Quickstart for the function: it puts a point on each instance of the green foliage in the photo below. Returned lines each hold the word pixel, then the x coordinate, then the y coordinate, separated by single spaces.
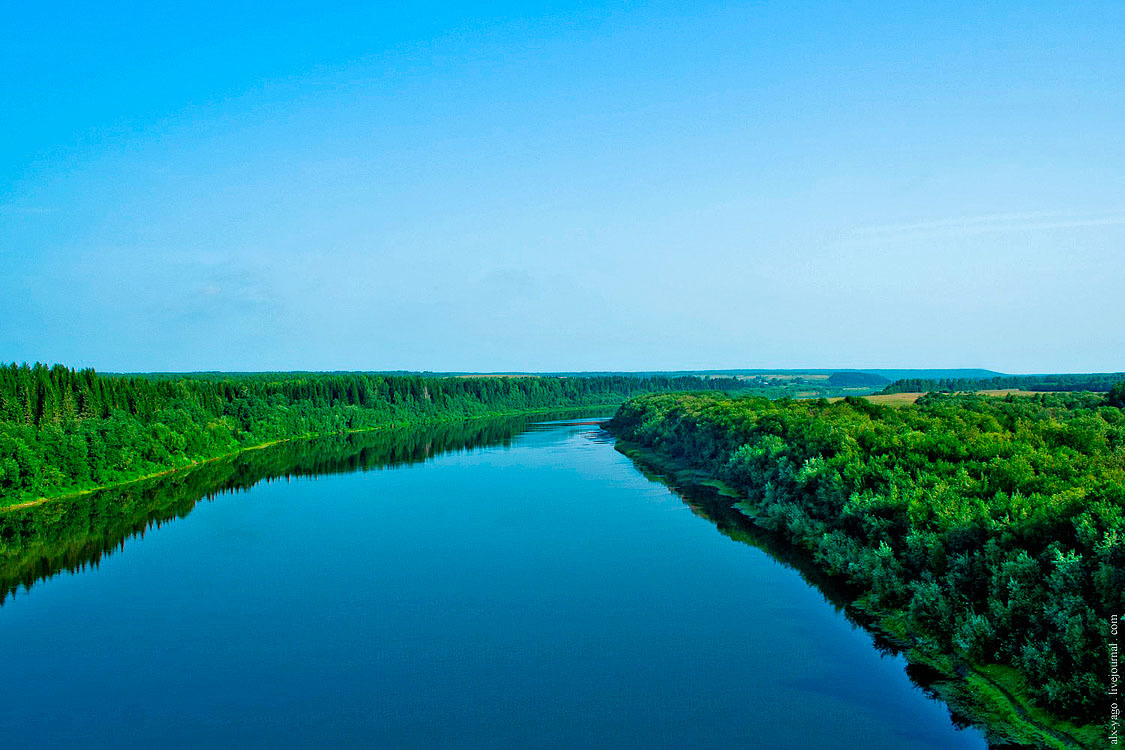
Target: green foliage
pixel 1116 395
pixel 856 379
pixel 63 430
pixel 995 526
pixel 73 533
pixel 1049 383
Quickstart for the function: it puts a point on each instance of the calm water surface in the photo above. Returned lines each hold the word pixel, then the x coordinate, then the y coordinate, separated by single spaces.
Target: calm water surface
pixel 533 591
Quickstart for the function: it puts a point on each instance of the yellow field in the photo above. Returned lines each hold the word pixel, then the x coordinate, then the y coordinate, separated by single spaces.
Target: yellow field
pixel 902 399
pixel 894 399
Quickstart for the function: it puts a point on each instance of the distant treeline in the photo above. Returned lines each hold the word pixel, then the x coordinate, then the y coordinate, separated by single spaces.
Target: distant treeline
pixel 64 430
pixel 1049 383
pixel 987 531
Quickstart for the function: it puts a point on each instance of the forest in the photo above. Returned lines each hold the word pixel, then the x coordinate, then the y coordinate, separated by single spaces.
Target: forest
pixel 1048 383
pixel 81 531
pixel 64 430
pixel 985 531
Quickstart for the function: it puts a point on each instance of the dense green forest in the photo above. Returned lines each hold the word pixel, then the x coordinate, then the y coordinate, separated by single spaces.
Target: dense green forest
pixel 1048 383
pixel 1116 395
pixel 80 531
pixel 987 531
pixel 65 430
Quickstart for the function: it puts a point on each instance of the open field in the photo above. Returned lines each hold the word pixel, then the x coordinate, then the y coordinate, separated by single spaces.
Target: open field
pixel 902 399
pixel 894 399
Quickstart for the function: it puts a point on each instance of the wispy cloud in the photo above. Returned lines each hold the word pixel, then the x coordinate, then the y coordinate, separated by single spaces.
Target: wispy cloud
pixel 986 224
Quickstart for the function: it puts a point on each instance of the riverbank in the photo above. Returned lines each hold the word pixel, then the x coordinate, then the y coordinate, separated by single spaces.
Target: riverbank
pixel 988 696
pixel 66 431
pixel 426 421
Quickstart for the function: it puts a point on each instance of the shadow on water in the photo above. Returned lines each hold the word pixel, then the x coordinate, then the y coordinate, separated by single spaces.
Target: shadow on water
pixel 71 534
pixel 711 504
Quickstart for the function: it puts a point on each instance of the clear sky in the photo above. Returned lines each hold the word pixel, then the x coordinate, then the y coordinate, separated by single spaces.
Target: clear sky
pixel 553 186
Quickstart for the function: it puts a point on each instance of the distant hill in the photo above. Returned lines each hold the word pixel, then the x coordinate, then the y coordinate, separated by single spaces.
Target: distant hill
pixel 939 374
pixel 857 380
pixel 888 375
pixel 871 377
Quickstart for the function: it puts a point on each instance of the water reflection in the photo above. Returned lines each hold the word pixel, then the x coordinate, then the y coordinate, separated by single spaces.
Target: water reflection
pixel 75 533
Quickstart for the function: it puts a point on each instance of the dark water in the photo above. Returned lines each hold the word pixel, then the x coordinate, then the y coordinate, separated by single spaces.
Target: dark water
pixel 531 590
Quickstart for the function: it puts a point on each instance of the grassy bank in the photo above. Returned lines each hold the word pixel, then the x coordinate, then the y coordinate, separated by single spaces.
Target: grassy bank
pixel 190 465
pixel 72 533
pixel 64 431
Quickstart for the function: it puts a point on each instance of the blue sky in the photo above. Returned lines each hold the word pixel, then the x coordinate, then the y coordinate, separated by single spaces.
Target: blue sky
pixel 559 186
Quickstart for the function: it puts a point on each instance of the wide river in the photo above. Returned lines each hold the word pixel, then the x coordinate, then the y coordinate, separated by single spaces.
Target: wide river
pixel 499 585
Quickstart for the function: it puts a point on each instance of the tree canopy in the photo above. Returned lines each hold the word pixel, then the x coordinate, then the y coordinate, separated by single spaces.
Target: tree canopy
pixel 64 430
pixel 991 528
